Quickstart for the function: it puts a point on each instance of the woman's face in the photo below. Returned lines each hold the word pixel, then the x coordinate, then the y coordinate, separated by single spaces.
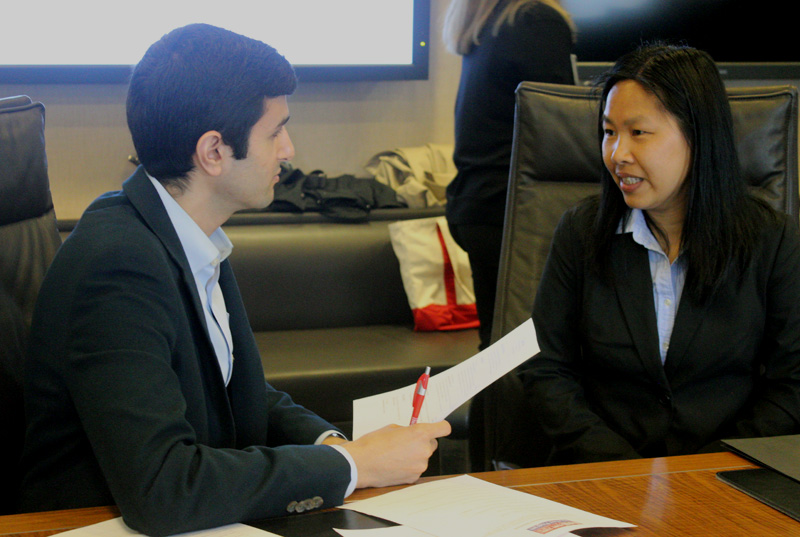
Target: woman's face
pixel 645 152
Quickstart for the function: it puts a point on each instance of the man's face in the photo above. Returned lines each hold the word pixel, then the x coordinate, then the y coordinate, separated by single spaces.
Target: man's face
pixel 251 181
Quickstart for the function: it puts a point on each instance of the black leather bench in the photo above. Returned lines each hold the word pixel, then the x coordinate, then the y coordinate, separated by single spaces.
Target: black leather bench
pixel 328 308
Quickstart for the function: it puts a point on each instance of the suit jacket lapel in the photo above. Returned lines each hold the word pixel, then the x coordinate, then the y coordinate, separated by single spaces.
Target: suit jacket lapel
pixel 634 288
pixel 146 201
pixel 687 323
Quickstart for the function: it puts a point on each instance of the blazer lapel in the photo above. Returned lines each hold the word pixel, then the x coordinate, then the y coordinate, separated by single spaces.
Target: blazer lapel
pixel 634 288
pixel 687 323
pixel 148 204
pixel 146 201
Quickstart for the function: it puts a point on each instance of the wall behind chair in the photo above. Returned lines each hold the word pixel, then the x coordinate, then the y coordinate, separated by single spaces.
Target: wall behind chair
pixel 335 126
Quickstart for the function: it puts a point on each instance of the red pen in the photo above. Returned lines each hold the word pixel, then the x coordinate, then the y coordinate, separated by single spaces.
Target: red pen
pixel 419 394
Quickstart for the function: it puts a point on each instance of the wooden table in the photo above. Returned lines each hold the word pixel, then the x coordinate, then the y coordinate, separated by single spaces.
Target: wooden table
pixel 664 497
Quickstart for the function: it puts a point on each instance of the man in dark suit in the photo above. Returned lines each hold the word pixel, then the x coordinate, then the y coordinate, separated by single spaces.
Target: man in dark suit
pixel 144 386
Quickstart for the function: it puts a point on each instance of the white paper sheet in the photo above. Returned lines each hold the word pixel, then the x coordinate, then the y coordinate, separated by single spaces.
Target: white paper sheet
pixel 392 531
pixel 451 388
pixel 470 507
pixel 117 528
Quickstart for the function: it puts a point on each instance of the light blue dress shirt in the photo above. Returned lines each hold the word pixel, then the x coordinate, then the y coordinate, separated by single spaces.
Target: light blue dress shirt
pixel 205 254
pixel 668 278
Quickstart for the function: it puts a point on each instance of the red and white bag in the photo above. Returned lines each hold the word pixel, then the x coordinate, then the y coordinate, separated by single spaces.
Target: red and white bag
pixel 436 274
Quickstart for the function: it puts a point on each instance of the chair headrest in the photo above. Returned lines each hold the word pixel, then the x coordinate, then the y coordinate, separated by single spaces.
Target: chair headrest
pixel 24 184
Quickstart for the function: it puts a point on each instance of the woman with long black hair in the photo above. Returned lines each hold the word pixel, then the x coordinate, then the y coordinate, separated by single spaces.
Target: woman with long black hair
pixel 668 314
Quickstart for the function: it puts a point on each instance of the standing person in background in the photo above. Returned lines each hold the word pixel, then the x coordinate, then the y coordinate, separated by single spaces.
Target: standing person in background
pixel 503 42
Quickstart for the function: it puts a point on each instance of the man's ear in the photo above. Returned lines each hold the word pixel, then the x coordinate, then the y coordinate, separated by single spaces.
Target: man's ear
pixel 210 153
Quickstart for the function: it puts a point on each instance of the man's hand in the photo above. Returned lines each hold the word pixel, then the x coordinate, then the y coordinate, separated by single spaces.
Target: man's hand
pixel 395 455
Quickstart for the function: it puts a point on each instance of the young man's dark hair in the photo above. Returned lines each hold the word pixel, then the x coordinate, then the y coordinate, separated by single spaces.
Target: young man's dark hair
pixel 196 79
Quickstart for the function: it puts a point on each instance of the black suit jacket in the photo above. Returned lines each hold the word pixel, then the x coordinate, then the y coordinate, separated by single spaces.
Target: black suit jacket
pixel 732 369
pixel 124 397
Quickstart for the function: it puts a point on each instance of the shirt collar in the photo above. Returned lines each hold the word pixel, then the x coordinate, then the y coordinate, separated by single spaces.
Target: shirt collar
pixel 201 250
pixel 637 225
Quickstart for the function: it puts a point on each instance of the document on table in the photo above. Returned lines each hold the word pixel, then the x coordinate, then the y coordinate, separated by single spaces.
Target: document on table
pixel 392 531
pixel 117 528
pixel 451 388
pixel 470 507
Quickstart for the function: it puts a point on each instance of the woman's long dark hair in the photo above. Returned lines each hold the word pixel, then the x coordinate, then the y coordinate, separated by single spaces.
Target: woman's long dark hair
pixel 721 225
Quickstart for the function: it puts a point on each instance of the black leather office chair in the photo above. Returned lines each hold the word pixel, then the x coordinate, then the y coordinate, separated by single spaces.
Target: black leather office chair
pixel 555 163
pixel 28 240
